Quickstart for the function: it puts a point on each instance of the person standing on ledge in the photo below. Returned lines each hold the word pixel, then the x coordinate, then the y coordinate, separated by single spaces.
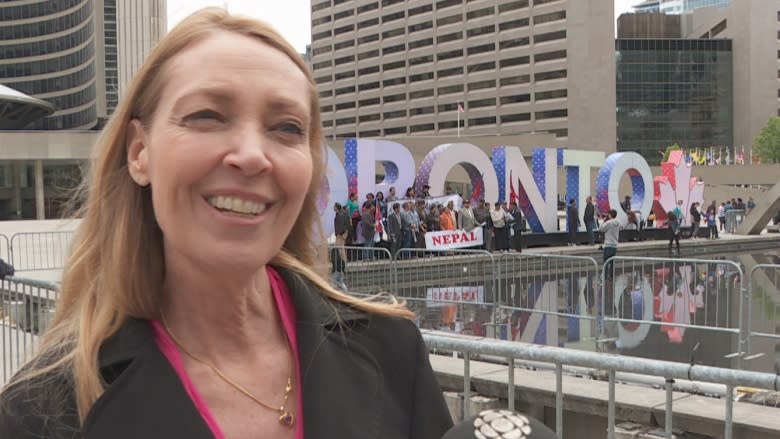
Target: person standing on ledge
pixel 589 217
pixel 195 303
pixel 572 222
pixel 611 230
pixel 673 223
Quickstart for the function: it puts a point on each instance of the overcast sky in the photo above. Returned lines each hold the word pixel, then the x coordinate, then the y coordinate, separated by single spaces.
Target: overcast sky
pixel 290 17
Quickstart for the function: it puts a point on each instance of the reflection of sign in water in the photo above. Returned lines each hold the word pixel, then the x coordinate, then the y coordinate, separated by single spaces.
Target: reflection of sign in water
pixel 450 239
pixel 678 305
pixel 464 294
pixel 640 293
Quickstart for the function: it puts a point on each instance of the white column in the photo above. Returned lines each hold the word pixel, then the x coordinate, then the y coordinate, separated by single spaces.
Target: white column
pixel 40 205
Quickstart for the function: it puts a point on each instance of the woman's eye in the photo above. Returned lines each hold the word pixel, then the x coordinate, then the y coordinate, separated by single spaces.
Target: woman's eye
pixel 205 114
pixel 291 128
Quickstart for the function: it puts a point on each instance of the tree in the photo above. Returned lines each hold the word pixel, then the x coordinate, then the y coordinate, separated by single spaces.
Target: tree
pixel 767 143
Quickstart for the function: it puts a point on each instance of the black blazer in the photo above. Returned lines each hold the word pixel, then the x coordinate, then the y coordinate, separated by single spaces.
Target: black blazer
pixel 364 376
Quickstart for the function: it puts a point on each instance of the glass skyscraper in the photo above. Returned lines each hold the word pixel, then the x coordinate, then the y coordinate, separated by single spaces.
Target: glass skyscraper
pixel 673 91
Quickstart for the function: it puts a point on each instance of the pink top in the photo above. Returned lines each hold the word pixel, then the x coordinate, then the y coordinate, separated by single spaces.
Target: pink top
pixel 286 312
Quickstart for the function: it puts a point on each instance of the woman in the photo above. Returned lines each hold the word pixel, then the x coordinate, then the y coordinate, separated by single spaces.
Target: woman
pixel 380 203
pixel 189 307
pixel 673 223
pixel 500 233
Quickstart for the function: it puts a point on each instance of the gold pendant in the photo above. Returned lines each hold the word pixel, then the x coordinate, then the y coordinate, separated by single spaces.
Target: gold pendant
pixel 287 419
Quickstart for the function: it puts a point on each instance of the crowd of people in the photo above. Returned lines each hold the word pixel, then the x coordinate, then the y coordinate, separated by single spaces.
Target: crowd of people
pixel 401 223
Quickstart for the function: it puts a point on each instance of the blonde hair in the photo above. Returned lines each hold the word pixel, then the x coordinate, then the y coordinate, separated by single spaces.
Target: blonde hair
pixel 118 229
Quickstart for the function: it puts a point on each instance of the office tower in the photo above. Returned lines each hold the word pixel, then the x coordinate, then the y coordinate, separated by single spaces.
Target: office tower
pixel 398 68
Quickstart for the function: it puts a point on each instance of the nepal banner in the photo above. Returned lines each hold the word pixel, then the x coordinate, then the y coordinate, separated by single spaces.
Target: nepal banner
pixel 465 294
pixel 494 177
pixel 449 239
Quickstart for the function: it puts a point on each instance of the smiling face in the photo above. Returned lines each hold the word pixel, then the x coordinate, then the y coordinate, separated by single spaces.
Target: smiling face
pixel 226 152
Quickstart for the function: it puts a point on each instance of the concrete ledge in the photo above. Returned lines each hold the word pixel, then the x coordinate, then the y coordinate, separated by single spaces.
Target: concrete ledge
pixel 699 415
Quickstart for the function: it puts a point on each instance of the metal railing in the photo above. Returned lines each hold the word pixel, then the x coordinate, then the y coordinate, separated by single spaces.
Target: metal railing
pixel 512 351
pixel 763 308
pixel 26 309
pixel 675 295
pixel 37 251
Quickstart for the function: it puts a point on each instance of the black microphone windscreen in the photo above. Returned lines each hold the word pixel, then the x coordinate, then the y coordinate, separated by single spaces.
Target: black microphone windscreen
pixel 500 424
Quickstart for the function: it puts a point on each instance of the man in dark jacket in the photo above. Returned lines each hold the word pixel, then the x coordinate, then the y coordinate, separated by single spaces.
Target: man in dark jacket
pixel 590 220
pixel 341 228
pixel 572 221
pixel 394 223
pixel 368 223
pixel 517 227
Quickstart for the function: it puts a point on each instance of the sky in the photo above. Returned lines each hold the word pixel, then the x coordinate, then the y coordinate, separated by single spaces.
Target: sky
pixel 290 17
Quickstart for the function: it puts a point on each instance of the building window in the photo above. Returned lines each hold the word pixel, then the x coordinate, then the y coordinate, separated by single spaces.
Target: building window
pixel 551 94
pixel 549 56
pixel 514 24
pixel 511 6
pixel 322 79
pixel 394 114
pixel 344 75
pixel 450 89
pixel 394 16
pixel 421 60
pixel 552 16
pixel 448 125
pixel 345 120
pixel 396 130
pixel 421 110
pixel 420 10
pixel 368 70
pixel 412 28
pixel 480 103
pixel 321 20
pixel 550 36
pixel 344 29
pixel 368 23
pixel 321 50
pixel 421 77
pixel 394 81
pixel 421 43
pixel 421 94
pixel 481 67
pixel 344 44
pixel 368 7
pixel 551 114
pixel 321 35
pixel 484 12
pixel 326 108
pixel 322 64
pixel 546 76
pixel 394 49
pixel 370 133
pixel 479 85
pixel 369 117
pixel 489 29
pixel 541 2
pixel 481 49
pixel 477 121
pixel 515 42
pixel 395 98
pixel 459 71
pixel 368 38
pixel 320 6
pixel 442 4
pixel 345 105
pixel 344 14
pixel 514 80
pixel 345 59
pixel 459 35
pixel 449 20
pixel 386 3
pixel 519 61
pixel 345 90
pixel 393 65
pixel 368 86
pixel 368 54
pixel 326 93
pixel 422 127
pixel 368 102
pixel 720 27
pixel 521 117
pixel 393 32
pixel 514 99
pixel 449 55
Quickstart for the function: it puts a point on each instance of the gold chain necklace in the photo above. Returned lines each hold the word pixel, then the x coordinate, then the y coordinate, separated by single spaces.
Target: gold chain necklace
pixel 286 417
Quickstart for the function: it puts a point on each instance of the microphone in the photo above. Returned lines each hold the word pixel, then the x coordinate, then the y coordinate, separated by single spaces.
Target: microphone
pixel 500 424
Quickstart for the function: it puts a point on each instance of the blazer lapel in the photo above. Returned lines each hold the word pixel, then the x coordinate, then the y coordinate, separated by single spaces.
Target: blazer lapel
pixel 144 397
pixel 340 377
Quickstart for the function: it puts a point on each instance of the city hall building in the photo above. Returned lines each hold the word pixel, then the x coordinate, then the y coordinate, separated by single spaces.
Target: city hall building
pixel 394 68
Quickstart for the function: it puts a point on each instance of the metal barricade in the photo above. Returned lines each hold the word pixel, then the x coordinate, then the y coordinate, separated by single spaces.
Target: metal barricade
pixel 26 310
pixel 655 302
pixel 670 371
pixel 548 299
pixel 365 271
pixel 37 251
pixel 764 312
pixel 451 290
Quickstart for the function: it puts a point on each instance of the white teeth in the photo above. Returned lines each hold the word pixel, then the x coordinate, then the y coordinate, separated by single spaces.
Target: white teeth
pixel 237 205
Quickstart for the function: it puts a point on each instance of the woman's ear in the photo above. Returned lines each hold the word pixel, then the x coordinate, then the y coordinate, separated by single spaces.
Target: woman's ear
pixel 137 155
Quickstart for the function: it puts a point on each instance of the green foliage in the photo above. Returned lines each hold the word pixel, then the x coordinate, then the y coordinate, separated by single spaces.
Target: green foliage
pixel 767 143
pixel 669 149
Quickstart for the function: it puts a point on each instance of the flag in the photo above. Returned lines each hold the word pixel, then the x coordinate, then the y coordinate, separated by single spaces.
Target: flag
pixel 477 190
pixel 512 193
pixel 460 108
